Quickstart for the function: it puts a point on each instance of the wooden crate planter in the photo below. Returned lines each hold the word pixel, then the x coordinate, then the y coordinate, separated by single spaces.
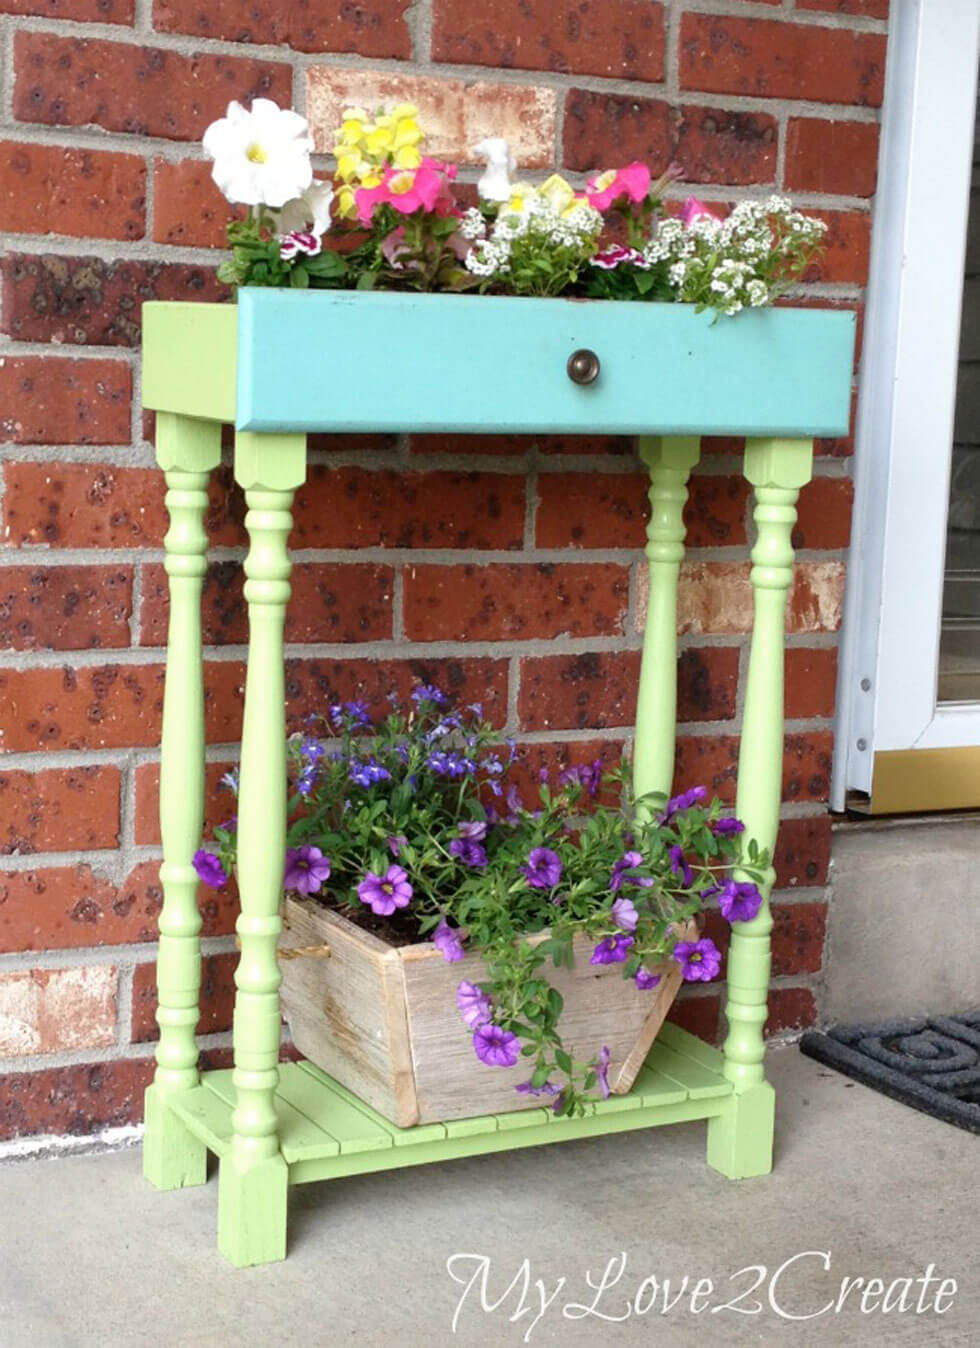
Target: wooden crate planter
pixel 382 1020
pixel 282 364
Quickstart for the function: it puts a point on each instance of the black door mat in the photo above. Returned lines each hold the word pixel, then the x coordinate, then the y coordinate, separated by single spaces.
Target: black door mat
pixel 929 1062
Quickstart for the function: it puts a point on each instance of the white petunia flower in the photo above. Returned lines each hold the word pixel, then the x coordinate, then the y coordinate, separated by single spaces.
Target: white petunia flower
pixel 495 183
pixel 309 212
pixel 261 156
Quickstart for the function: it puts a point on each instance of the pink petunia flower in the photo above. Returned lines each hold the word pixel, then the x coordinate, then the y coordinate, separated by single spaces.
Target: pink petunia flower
pixel 693 208
pixel 631 182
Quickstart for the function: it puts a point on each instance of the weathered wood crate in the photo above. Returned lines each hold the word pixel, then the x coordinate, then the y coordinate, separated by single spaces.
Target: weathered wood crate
pixel 382 1020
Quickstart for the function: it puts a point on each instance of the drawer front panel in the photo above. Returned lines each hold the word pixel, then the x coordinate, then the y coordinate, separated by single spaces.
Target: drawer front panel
pixel 346 361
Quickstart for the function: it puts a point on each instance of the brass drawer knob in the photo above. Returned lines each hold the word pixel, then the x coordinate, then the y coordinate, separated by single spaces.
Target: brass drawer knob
pixel 583 366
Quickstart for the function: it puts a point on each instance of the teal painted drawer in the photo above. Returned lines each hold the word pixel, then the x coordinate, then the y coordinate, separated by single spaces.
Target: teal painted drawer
pixel 347 361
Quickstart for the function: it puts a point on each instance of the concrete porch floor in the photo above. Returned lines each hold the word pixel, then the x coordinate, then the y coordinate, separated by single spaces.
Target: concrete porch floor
pixel 90 1255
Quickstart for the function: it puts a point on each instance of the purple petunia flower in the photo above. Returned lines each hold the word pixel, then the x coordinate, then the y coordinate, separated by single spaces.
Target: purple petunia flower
pixel 602 1071
pixel 588 775
pixel 645 980
pixel 624 914
pixel 469 853
pixel 495 1046
pixel 684 801
pixel 474 1004
pixel 612 949
pixel 549 1088
pixel 620 872
pixel 679 866
pixel 448 941
pixel 428 692
pixel 306 869
pixel 383 894
pixel 475 829
pixel 700 961
pixel 396 841
pixel 543 869
pixel 209 869
pixel 739 902
pixel 727 827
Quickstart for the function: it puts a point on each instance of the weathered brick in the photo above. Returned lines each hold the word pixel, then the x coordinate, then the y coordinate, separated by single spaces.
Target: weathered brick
pixel 698 1013
pixel 49 400
pixel 798 935
pixel 513 602
pixel 712 761
pixel 872 9
pixel 87 300
pixel 603 129
pixel 521 444
pixel 59 810
pixel 375 28
pixel 716 597
pixel 64 607
pixel 75 1100
pixel 803 851
pixel 620 39
pixel 823 155
pixel 357 508
pixel 98 505
pixel 98 11
pixel 846 249
pixel 217 999
pixel 219 802
pixel 85 193
pixel 610 510
pixel 790 1009
pixel 188 209
pixel 455 115
pixel 824 513
pixel 598 689
pixel 811 681
pixel 331 602
pixel 724 54
pixel 312 685
pixel 149 91
pixel 807 760
pixel 106 707
pixel 57 1010
pixel 716 145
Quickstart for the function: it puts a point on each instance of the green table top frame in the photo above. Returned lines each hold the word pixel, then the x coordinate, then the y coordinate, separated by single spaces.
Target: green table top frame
pixel 279 364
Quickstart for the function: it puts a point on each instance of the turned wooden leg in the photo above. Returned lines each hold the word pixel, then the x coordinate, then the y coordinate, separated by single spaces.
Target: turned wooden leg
pixel 740 1141
pixel 670 460
pixel 187 450
pixel 253 1176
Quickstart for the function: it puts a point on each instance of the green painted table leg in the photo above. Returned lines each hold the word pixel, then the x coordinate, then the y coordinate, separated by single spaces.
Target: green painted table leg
pixel 740 1140
pixel 254 1176
pixel 187 450
pixel 670 460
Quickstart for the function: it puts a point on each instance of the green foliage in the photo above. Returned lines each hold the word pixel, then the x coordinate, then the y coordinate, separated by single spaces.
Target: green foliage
pixel 408 790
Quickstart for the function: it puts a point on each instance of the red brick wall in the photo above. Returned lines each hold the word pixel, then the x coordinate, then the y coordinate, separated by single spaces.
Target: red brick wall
pixel 505 567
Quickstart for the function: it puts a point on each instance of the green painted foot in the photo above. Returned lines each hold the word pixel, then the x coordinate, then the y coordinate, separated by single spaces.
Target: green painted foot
pixel 252 1211
pixel 173 1158
pixel 740 1140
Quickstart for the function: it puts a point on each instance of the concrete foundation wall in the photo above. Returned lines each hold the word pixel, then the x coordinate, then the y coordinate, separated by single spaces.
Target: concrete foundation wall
pixel 904 919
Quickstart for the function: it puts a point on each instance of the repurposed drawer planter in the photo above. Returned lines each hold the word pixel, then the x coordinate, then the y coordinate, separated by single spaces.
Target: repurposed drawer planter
pixel 287 361
pixel 382 1020
pixel 279 365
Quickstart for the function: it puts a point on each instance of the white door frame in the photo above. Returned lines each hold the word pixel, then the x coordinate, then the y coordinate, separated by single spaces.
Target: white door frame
pixel 892 614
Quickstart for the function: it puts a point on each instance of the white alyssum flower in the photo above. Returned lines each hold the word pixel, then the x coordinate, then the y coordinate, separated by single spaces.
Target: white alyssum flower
pixel 473 225
pixel 309 212
pixel 262 155
pixel 495 184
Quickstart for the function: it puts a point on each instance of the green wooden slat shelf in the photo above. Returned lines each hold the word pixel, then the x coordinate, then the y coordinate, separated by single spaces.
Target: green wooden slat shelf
pixel 279 365
pixel 322 1125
